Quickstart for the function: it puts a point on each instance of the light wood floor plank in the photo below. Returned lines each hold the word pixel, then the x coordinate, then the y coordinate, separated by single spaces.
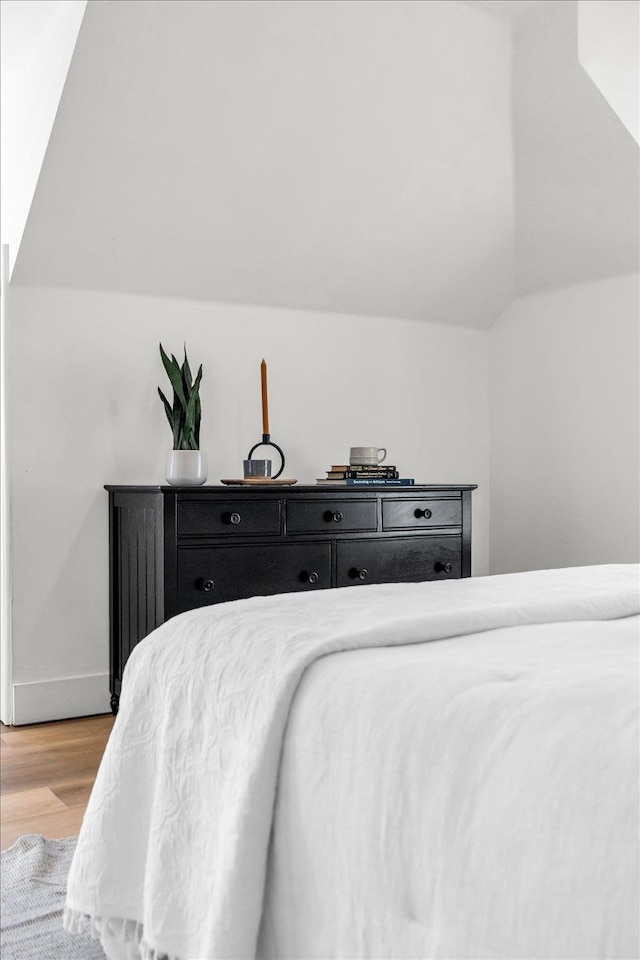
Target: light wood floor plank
pixel 74 793
pixel 64 823
pixel 25 773
pixel 51 747
pixel 47 771
pixel 58 731
pixel 30 803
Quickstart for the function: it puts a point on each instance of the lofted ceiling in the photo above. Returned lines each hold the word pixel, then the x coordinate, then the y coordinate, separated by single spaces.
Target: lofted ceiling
pixel 577 173
pixel 346 157
pixel 424 160
pixel 37 38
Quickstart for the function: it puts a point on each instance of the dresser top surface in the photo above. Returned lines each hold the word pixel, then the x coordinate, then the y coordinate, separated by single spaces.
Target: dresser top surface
pixel 289 489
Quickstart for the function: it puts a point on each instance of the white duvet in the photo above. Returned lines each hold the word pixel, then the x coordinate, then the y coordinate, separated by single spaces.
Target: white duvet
pixel 475 797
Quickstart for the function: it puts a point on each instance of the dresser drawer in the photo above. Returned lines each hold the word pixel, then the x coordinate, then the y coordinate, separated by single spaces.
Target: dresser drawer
pixel 415 514
pixel 331 516
pixel 220 518
pixel 395 559
pixel 216 574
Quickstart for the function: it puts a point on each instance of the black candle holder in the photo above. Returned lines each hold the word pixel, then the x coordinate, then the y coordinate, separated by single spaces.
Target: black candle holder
pixel 268 442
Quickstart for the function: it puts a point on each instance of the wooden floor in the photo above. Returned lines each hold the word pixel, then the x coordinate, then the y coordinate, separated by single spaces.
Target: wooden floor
pixel 46 774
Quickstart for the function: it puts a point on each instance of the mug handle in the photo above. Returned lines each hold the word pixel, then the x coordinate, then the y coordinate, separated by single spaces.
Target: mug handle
pixel 383 451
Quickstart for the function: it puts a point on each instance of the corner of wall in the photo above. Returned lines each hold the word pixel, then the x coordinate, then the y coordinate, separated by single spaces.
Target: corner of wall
pixel 6 698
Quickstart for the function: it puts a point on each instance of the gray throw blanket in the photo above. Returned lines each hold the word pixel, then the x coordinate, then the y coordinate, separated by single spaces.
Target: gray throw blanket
pixel 34 886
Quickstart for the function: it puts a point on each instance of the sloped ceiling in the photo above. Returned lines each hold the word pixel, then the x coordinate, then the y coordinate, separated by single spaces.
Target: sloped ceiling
pixel 609 51
pixel 577 168
pixel 37 39
pixel 351 157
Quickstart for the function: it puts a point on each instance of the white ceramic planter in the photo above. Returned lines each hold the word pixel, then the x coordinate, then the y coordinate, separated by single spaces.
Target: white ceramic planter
pixel 186 468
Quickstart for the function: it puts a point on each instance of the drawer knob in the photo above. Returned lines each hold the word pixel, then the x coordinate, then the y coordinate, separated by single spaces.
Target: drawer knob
pixel 207 585
pixel 235 518
pixel 309 576
pixel 356 574
pixel 443 567
pixel 333 515
pixel 426 513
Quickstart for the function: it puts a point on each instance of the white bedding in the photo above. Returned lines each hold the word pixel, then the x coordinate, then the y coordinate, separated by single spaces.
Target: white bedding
pixel 173 850
pixel 470 798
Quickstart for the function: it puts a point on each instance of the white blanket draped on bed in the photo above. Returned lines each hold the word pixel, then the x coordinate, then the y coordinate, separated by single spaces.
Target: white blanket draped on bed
pixel 471 798
pixel 172 855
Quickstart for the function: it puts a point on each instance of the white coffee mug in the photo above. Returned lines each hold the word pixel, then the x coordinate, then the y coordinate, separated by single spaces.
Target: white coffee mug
pixel 366 456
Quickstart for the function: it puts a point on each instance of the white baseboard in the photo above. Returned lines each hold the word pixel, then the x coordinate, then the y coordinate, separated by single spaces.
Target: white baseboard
pixel 60 699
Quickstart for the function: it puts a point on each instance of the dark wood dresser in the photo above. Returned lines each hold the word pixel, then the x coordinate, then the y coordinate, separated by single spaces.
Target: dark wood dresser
pixel 175 548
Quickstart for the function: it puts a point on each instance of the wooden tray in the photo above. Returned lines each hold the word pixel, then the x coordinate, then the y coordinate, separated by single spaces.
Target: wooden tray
pixel 259 480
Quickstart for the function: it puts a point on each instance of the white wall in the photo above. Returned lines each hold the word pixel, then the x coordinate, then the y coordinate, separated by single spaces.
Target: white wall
pixel 38 38
pixel 6 691
pixel 84 411
pixel 565 430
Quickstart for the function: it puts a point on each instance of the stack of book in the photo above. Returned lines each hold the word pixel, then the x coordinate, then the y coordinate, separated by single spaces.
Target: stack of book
pixel 352 475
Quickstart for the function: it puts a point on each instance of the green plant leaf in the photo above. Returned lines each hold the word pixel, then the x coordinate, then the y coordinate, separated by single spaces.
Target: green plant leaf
pixel 178 424
pixel 185 416
pixel 167 408
pixel 196 426
pixel 175 376
pixel 186 373
pixel 190 413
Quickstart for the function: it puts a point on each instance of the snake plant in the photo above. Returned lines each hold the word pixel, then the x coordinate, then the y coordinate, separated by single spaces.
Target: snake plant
pixel 184 415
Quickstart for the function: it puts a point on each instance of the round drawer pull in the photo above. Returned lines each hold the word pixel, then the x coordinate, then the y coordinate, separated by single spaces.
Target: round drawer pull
pixel 356 574
pixel 426 513
pixel 235 518
pixel 443 567
pixel 307 576
pixel 207 585
pixel 333 515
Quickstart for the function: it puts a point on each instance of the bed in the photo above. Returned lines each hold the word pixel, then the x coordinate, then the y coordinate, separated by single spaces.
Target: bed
pixel 431 770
